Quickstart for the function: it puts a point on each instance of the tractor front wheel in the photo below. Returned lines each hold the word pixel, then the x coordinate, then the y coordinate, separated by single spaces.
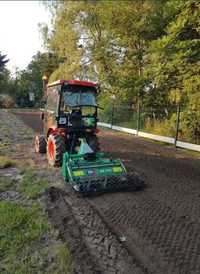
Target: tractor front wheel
pixel 55 150
pixel 40 144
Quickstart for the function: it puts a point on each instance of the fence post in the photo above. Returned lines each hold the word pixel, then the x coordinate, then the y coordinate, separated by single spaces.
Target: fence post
pixel 138 116
pixel 112 114
pixel 177 124
pixel 113 98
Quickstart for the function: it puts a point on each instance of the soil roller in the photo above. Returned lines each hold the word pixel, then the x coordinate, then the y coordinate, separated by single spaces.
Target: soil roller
pixel 90 172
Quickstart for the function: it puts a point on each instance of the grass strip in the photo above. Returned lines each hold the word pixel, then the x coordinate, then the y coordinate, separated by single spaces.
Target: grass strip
pixel 32 186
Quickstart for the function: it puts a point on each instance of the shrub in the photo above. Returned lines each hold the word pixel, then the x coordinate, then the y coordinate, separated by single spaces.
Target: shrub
pixel 162 127
pixel 6 101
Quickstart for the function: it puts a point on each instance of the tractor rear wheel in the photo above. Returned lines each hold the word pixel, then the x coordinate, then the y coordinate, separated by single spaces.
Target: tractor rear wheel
pixel 40 144
pixel 55 149
pixel 93 142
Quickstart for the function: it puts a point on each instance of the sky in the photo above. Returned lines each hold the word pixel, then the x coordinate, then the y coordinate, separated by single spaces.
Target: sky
pixel 19 32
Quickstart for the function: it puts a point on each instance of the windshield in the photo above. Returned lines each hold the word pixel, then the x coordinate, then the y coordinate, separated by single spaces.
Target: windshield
pixel 73 99
pixel 75 95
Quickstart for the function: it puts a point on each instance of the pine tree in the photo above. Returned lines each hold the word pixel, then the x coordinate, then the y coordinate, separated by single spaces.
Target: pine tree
pixel 3 62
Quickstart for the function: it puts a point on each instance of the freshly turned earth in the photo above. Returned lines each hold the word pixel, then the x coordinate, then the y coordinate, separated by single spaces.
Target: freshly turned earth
pixel 156 230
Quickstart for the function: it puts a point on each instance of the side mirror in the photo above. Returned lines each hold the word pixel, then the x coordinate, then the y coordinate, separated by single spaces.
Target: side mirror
pixel 98 88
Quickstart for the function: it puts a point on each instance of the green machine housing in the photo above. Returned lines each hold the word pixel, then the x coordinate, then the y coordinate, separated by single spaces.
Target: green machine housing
pixel 95 173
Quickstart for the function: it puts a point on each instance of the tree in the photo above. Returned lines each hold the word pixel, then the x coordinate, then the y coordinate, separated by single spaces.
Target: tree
pixel 174 63
pixel 129 46
pixel 3 62
pixel 30 79
pixel 4 75
pixel 113 40
pixel 41 64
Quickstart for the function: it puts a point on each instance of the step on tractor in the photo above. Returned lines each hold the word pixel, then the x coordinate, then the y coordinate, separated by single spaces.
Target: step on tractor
pixel 70 140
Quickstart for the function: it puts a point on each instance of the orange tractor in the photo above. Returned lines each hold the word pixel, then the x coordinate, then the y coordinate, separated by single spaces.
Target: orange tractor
pixel 70 128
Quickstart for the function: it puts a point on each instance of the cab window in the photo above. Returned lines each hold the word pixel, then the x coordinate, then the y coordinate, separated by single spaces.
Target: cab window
pixel 52 98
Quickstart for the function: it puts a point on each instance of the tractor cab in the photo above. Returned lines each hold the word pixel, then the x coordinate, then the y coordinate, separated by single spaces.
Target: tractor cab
pixel 71 105
pixel 70 115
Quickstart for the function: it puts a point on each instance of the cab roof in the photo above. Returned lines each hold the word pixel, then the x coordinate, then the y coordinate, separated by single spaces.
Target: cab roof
pixel 73 82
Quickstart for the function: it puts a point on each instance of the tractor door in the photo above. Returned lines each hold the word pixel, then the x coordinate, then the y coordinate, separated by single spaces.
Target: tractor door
pixel 51 111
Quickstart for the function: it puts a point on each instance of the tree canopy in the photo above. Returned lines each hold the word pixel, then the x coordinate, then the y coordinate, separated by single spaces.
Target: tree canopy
pixel 130 46
pixel 144 51
pixel 30 79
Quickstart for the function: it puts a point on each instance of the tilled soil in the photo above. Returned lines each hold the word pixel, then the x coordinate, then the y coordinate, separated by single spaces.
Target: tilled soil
pixel 151 231
pixel 93 245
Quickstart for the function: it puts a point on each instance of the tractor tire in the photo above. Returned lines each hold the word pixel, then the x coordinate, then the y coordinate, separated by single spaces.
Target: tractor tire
pixel 55 150
pixel 93 142
pixel 40 144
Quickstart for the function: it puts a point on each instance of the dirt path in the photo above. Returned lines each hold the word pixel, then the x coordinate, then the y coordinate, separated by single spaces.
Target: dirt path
pixel 160 225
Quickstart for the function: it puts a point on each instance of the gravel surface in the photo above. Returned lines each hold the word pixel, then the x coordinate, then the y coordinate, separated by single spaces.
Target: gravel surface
pixel 151 231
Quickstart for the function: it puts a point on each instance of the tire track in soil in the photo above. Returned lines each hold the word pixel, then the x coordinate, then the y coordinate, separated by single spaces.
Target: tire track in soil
pixel 80 226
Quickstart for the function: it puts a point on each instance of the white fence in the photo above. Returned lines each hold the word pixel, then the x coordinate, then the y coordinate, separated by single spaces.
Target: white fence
pixel 165 139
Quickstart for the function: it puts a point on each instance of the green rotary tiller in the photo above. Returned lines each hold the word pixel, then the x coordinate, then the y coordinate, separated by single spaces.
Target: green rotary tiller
pixel 89 172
